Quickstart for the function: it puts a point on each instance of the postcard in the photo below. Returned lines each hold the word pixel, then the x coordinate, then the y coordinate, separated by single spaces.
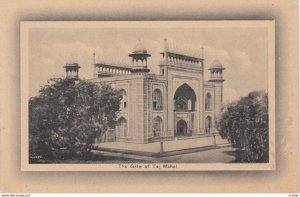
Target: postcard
pixel 148 96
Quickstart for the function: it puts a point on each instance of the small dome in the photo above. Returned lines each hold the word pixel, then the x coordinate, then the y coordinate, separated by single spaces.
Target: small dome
pixel 216 64
pixel 139 48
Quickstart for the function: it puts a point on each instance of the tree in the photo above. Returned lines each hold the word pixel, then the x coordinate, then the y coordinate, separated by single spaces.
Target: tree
pixel 245 125
pixel 68 115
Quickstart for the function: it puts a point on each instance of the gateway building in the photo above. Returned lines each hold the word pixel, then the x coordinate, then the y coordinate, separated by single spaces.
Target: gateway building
pixel 176 103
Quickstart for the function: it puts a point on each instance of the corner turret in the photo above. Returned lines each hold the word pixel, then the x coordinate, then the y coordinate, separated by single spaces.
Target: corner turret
pixel 72 70
pixel 216 78
pixel 139 57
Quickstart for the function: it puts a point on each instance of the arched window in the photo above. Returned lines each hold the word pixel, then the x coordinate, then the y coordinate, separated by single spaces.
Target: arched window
pixel 122 127
pixel 208 101
pixel 181 103
pixel 157 100
pixel 157 126
pixel 208 124
pixel 124 100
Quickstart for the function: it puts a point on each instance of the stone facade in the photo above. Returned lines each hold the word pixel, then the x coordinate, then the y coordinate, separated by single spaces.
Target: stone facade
pixel 175 103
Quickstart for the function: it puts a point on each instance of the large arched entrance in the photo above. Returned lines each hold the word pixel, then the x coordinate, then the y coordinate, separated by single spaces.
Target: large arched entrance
pixel 181 128
pixel 185 98
pixel 184 110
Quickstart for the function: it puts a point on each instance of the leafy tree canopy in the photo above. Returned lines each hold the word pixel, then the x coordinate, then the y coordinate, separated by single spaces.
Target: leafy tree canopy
pixel 68 115
pixel 245 125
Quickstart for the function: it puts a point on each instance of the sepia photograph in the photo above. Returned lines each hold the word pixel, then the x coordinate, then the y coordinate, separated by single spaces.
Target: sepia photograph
pixel 148 96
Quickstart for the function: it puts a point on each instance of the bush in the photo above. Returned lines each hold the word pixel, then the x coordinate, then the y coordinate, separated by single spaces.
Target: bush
pixel 68 115
pixel 245 125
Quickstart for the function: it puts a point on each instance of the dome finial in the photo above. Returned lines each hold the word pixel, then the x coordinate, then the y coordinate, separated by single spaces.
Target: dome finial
pixel 216 64
pixel 139 47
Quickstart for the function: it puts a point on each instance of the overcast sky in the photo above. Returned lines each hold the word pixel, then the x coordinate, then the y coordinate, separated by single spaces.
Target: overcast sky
pixel 242 51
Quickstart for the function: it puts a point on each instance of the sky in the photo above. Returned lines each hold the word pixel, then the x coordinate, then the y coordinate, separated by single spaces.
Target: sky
pixel 242 51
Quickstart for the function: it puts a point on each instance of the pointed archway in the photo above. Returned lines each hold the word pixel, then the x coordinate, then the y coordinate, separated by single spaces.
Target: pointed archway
pixel 185 98
pixel 184 110
pixel 181 128
pixel 208 124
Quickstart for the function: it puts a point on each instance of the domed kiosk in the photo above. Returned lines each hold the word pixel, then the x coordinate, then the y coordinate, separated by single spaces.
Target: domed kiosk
pixel 139 57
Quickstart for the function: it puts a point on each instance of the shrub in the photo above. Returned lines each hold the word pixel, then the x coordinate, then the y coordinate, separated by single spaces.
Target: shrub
pixel 245 125
pixel 68 115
